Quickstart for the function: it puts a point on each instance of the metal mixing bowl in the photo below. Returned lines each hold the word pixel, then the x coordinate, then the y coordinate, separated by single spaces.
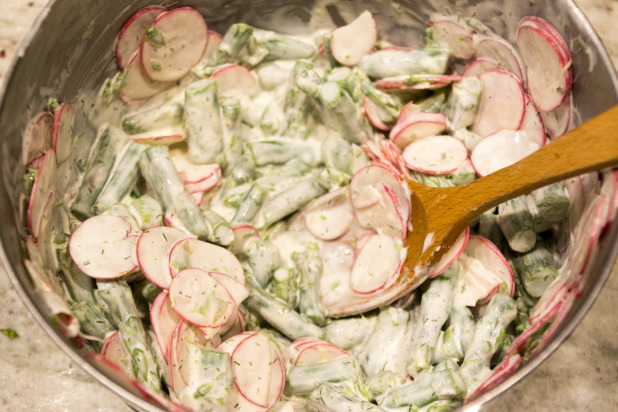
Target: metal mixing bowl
pixel 70 48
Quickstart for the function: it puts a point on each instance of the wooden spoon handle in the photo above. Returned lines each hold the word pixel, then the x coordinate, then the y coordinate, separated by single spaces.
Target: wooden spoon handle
pixel 591 146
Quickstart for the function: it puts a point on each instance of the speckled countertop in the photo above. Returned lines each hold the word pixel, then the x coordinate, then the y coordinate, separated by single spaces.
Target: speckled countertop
pixel 35 375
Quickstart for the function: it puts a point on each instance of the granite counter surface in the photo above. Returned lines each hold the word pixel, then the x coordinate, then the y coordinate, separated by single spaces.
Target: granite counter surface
pixel 35 375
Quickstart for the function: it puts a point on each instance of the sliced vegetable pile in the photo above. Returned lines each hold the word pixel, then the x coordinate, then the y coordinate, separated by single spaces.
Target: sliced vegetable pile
pixel 243 191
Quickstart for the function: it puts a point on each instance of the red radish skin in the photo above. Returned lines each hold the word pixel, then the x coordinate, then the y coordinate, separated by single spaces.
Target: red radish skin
pixel 132 33
pixel 417 82
pixel 204 290
pixel 372 111
pixel 502 103
pixel 352 42
pixel 319 352
pixel 176 44
pixel 532 123
pixel 214 39
pixel 193 253
pixel 153 252
pixel 205 184
pixel 503 53
pixel 191 172
pixel 548 63
pixel 234 81
pixel 417 125
pixel 242 233
pixel 500 150
pixel 407 109
pixel 37 137
pixel 138 86
pixel 101 247
pixel 480 66
pixel 165 137
pixel 435 155
pixel 62 135
pixel 164 320
pixel 455 35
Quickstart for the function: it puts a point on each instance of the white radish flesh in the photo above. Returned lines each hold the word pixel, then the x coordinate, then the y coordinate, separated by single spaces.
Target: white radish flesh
pixel 375 114
pixel 407 109
pixel 193 253
pixel 455 35
pixel 191 172
pixel 174 44
pixel 451 255
pixel 153 253
pixel 237 290
pixel 164 320
pixel 205 184
pixel 198 298
pixel 166 136
pixel 352 42
pixel 62 136
pixel 532 123
pixel 258 370
pixel 502 52
pixel 484 271
pixel 132 33
pixel 319 352
pixel 235 81
pixel 214 40
pixel 435 155
pixel 102 248
pixel 548 63
pixel 242 233
pixel 39 195
pixel 330 216
pixel 560 120
pixel 114 351
pixel 502 103
pixel 37 137
pixel 369 274
pixel 500 150
pixel 417 125
pixel 137 85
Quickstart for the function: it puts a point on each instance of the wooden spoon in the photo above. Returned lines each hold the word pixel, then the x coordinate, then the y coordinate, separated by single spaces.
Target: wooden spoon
pixel 444 213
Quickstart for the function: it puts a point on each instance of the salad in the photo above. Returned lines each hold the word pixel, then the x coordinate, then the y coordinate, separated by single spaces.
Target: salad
pixel 230 238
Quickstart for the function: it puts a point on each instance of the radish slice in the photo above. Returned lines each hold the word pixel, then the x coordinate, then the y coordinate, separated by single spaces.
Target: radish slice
pixel 166 136
pixel 417 125
pixel 102 248
pixel 39 196
pixel 416 82
pixel 186 345
pixel 258 370
pixel 437 155
pixel 484 272
pixel 193 253
pixel 502 103
pixel 62 136
pixel 234 81
pixel 164 320
pixel 480 66
pixel 455 35
pixel 114 351
pixel 408 108
pixel 37 137
pixel 242 233
pixel 610 189
pixel 390 214
pixel 452 255
pixel 214 40
pixel 191 172
pixel 500 150
pixel 44 215
pixel 330 216
pixel 352 42
pixel 133 32
pixel 137 85
pixel 205 184
pixel 174 44
pixel 237 290
pixel 375 114
pixel 153 253
pixel 559 121
pixel 198 298
pixel 502 52
pixel 319 352
pixel 586 234
pixel 369 274
pixel 532 123
pixel 548 61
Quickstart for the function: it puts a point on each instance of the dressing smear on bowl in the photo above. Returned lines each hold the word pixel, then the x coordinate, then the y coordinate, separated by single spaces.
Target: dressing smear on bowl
pixel 246 190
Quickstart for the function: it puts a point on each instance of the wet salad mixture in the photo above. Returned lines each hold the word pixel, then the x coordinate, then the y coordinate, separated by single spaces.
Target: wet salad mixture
pixel 231 237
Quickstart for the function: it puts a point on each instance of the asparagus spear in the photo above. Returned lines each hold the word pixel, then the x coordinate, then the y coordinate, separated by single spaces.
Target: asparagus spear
pixel 168 114
pixel 309 265
pixel 469 139
pixel 488 338
pixel 516 224
pixel 350 333
pixel 537 269
pixel 281 316
pixel 146 211
pixel 281 151
pixel 263 257
pixel 391 63
pixel 455 340
pixel 118 297
pixel 202 121
pixel 220 231
pixel 463 103
pixel 552 202
pixel 279 47
pixel 250 205
pixel 159 171
pixel 327 397
pixel 348 80
pixel 243 170
pixel 435 309
pixel 343 114
pixel 232 140
pixel 233 42
pixel 284 285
